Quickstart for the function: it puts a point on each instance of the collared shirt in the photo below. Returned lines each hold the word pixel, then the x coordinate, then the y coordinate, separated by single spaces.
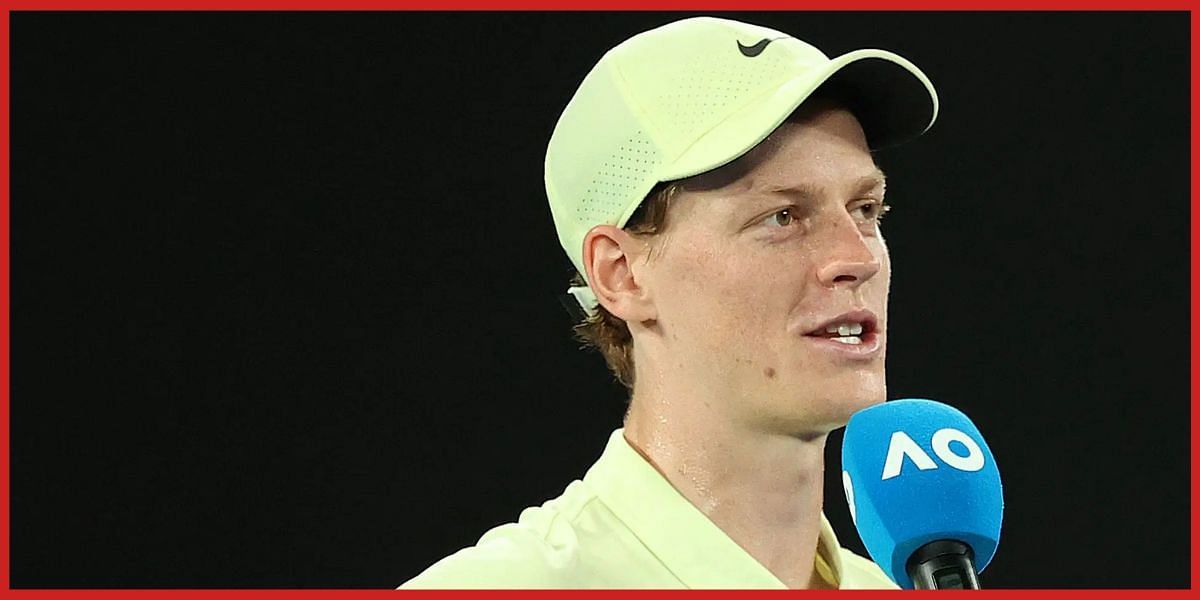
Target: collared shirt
pixel 625 526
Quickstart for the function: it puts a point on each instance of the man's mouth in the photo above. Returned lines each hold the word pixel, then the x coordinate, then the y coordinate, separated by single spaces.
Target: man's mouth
pixel 854 328
pixel 849 332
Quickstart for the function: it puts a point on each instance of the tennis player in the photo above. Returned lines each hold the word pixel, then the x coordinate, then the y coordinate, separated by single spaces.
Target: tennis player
pixel 712 181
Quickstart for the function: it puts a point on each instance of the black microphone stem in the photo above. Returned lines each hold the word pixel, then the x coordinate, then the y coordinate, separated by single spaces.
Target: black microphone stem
pixel 943 565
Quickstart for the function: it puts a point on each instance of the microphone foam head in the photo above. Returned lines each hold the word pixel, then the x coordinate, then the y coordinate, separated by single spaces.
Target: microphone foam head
pixel 916 471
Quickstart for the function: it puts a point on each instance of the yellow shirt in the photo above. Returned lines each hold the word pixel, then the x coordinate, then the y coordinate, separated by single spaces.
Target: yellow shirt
pixel 625 526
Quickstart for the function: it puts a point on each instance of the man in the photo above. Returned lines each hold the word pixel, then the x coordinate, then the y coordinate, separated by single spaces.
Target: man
pixel 713 184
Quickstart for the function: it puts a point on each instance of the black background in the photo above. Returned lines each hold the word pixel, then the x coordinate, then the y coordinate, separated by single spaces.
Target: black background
pixel 284 287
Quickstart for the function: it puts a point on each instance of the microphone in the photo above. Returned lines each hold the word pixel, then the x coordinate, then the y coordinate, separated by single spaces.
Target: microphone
pixel 924 493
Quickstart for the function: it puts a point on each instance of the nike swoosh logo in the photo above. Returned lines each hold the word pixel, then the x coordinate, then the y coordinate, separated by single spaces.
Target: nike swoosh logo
pixel 757 48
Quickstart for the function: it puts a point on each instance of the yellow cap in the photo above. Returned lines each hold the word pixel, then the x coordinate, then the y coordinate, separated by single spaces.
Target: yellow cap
pixel 695 94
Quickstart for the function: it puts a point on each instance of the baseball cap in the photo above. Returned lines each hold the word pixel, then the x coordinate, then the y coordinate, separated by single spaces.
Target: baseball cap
pixel 695 94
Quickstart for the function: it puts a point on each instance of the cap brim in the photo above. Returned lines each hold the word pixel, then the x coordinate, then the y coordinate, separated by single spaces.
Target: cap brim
pixel 891 98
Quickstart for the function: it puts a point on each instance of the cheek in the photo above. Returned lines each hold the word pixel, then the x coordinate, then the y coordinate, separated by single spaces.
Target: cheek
pixel 884 277
pixel 731 297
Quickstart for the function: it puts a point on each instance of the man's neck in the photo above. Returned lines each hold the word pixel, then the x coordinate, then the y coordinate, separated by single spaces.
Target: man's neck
pixel 763 490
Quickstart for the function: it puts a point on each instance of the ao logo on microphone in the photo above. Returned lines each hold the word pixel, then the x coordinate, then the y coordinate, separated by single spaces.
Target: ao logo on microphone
pixel 903 446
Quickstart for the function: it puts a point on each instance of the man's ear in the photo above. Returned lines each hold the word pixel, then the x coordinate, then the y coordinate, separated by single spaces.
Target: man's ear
pixel 610 255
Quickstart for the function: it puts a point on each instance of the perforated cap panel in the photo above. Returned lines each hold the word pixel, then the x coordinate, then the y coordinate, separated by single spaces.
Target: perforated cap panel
pixel 618 178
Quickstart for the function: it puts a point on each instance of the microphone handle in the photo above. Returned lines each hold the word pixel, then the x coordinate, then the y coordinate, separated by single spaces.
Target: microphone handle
pixel 943 565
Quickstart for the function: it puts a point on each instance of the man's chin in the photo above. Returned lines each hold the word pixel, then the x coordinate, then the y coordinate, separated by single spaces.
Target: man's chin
pixel 851 406
pixel 834 412
pixel 816 418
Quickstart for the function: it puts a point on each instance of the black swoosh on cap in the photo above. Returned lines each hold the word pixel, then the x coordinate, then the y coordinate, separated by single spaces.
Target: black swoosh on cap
pixel 756 49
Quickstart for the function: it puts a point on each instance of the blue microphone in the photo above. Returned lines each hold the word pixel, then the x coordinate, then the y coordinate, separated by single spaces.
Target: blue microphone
pixel 924 493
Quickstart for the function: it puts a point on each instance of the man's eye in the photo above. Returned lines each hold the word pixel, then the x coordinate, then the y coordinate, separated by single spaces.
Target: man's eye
pixel 781 218
pixel 871 211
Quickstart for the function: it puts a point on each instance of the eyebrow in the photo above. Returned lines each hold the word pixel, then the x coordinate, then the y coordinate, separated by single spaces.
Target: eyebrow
pixel 807 190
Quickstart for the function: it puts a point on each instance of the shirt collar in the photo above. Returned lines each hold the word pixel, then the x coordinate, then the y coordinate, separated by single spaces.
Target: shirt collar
pixel 687 543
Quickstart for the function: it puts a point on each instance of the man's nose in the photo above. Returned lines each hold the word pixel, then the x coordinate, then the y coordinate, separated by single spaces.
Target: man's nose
pixel 850 261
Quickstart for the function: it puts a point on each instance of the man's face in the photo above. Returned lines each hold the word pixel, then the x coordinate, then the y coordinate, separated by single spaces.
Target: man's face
pixel 759 260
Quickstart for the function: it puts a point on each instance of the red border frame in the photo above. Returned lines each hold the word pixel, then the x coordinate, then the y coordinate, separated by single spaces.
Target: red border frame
pixel 522 5
pixel 594 5
pixel 1195 292
pixel 4 300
